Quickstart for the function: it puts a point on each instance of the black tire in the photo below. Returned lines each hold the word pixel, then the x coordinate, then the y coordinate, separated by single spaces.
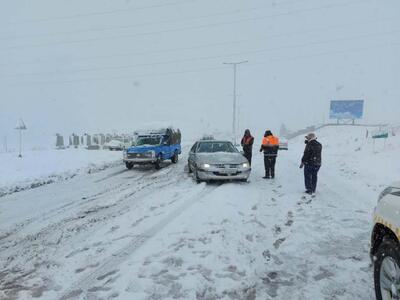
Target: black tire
pixel 196 177
pixel 175 158
pixel 189 168
pixel 157 164
pixel 129 165
pixel 388 249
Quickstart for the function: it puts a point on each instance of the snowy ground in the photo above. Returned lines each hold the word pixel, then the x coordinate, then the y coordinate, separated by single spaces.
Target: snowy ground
pixel 146 234
pixel 39 167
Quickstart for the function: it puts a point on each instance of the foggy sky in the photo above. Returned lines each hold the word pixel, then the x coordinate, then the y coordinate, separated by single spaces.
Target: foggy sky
pixel 102 65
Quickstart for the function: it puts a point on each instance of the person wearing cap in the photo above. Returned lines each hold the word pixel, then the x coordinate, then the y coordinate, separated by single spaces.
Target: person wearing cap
pixel 311 161
pixel 247 145
pixel 270 146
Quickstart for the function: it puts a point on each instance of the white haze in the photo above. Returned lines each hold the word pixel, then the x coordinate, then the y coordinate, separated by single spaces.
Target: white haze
pixel 162 61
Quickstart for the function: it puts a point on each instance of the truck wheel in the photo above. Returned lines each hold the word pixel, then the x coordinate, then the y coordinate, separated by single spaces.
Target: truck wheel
pixel 129 165
pixel 174 158
pixel 157 164
pixel 387 271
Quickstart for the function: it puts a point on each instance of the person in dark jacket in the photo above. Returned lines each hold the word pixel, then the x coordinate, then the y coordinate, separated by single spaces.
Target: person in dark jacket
pixel 247 145
pixel 311 161
pixel 270 146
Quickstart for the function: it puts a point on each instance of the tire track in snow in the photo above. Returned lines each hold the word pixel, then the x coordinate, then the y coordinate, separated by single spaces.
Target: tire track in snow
pixel 159 180
pixel 108 266
pixel 5 236
pixel 111 175
pixel 61 211
pixel 30 247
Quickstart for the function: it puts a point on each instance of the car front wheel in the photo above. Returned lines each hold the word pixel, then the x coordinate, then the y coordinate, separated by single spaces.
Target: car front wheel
pixel 129 165
pixel 387 271
pixel 196 176
pixel 174 158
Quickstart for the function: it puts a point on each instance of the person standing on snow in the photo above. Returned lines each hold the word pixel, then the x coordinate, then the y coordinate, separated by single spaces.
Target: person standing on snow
pixel 247 145
pixel 270 146
pixel 311 161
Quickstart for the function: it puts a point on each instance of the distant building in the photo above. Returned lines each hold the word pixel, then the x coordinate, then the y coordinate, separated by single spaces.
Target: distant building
pixel 87 140
pixel 59 141
pixel 74 140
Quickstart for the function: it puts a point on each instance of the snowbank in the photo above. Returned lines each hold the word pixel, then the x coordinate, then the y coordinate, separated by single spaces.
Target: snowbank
pixel 37 168
pixel 356 156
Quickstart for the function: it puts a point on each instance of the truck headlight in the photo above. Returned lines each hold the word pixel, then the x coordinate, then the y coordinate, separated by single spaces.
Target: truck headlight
pixel 149 154
pixel 245 165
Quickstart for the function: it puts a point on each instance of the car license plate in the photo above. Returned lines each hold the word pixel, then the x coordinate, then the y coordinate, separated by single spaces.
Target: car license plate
pixel 229 172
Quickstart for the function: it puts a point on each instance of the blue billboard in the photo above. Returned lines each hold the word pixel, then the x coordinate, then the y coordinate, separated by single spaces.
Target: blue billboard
pixel 346 109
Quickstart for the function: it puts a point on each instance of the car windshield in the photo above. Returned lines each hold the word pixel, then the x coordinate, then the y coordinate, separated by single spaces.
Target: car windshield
pixel 212 147
pixel 153 140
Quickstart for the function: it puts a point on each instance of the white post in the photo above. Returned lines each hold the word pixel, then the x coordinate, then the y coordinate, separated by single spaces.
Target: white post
pixel 20 143
pixel 20 126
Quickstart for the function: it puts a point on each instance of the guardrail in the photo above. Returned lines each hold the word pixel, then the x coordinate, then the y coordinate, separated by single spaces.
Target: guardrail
pixel 309 129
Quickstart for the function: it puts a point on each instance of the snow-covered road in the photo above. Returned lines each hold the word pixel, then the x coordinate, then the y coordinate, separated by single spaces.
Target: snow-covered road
pixel 146 234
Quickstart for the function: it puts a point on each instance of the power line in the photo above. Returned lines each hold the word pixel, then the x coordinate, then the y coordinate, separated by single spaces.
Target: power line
pixel 257 51
pixel 197 70
pixel 299 57
pixel 232 12
pixel 126 77
pixel 78 41
pixel 99 13
pixel 136 53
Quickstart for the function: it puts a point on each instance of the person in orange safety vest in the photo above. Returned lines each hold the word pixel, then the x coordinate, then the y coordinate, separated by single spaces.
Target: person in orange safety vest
pixel 270 146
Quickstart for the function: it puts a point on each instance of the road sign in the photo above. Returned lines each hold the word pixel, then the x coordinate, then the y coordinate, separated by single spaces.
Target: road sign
pixel 346 109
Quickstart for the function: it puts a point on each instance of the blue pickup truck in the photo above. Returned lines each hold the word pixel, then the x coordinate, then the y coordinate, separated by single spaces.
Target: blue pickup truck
pixel 154 147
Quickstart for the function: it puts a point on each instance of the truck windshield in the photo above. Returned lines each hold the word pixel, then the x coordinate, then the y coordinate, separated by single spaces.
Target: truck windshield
pixel 153 141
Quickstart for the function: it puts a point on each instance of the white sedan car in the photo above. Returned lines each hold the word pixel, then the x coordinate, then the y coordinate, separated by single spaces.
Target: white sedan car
pixel 385 246
pixel 211 160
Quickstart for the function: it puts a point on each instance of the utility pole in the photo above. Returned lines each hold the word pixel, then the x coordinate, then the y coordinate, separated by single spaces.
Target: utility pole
pixel 234 64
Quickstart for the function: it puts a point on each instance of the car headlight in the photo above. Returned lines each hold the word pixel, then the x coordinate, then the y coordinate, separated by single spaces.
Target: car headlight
pixel 245 165
pixel 125 154
pixel 385 192
pixel 206 166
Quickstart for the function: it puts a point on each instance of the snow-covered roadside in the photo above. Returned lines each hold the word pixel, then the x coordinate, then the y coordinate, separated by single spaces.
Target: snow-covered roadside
pixel 146 234
pixel 355 157
pixel 41 167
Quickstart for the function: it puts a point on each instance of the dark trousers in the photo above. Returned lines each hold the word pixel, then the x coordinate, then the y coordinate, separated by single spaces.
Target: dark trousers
pixel 311 177
pixel 248 155
pixel 269 164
